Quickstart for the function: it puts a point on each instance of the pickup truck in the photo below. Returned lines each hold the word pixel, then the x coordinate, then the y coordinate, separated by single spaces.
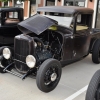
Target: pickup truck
pixel 9 18
pixel 52 38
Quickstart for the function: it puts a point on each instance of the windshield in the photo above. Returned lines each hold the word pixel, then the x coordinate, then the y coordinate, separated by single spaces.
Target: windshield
pixel 62 19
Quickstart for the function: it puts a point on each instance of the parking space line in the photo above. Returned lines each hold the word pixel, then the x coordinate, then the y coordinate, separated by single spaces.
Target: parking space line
pixel 73 96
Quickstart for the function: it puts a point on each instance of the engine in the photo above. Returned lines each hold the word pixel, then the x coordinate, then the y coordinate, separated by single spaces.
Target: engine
pixel 46 48
pixel 40 47
pixel 43 55
pixel 41 52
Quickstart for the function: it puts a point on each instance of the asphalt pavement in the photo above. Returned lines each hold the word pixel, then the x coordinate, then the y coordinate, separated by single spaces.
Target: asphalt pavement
pixel 75 77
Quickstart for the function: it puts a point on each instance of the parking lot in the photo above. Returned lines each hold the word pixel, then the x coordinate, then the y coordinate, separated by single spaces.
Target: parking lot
pixel 75 77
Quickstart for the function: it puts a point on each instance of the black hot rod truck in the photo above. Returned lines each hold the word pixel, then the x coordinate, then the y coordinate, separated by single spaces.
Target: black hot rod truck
pixel 9 18
pixel 61 36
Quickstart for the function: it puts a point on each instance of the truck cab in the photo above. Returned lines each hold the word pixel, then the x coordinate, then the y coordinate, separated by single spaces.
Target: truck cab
pixel 9 18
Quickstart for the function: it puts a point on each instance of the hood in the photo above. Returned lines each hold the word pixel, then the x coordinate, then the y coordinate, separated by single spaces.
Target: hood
pixel 36 24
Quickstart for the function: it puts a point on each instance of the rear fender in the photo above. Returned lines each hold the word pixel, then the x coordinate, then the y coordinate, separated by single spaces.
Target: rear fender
pixel 92 45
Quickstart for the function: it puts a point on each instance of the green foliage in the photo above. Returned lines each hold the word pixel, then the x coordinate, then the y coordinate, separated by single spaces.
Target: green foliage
pixel 11 0
pixel 4 0
pixel 16 0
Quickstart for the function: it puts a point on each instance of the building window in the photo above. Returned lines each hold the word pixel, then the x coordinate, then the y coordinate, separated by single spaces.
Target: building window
pixel 50 2
pixel 18 3
pixel 6 4
pixel 80 3
pixel 33 7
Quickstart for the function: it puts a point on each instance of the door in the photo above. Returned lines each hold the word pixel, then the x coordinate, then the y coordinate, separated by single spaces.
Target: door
pixel 81 44
pixel 82 36
pixel 68 49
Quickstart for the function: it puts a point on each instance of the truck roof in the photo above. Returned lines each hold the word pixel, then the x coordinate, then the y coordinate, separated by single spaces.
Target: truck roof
pixel 10 9
pixel 65 9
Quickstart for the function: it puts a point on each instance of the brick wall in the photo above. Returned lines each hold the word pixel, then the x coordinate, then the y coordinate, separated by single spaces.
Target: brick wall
pixel 41 3
pixel 91 4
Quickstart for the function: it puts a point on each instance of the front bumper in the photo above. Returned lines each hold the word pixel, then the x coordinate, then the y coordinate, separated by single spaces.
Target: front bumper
pixel 22 76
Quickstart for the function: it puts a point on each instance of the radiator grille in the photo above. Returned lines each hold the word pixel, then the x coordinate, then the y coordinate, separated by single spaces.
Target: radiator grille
pixel 23 48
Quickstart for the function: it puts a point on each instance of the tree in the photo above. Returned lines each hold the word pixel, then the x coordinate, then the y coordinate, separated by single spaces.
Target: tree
pixel 11 0
pixel 16 0
pixel 4 0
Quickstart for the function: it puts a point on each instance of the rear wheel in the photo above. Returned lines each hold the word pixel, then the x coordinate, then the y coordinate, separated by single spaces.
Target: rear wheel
pixel 93 91
pixel 48 75
pixel 96 52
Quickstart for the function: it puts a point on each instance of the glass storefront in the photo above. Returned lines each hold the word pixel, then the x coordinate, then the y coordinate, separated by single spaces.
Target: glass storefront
pixel 50 2
pixel 80 3
pixel 98 15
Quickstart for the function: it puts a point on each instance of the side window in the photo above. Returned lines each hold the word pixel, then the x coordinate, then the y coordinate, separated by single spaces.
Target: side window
pixel 83 22
pixel 13 14
pixel 11 17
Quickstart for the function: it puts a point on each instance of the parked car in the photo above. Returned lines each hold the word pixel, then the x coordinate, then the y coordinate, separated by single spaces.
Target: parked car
pixel 9 18
pixel 61 36
pixel 93 91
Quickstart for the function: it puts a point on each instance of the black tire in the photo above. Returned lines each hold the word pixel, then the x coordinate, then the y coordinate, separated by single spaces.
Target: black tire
pixel 1 69
pixel 96 52
pixel 45 71
pixel 94 86
pixel 4 63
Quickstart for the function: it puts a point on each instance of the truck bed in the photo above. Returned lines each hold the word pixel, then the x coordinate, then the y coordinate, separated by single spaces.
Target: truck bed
pixel 95 30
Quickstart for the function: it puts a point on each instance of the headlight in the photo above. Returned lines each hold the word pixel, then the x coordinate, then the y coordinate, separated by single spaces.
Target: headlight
pixel 30 61
pixel 35 44
pixel 6 53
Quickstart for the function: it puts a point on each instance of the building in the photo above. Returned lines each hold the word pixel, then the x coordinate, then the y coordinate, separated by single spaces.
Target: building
pixel 31 5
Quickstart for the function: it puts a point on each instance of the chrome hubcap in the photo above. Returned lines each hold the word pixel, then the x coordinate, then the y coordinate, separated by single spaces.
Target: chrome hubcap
pixel 53 77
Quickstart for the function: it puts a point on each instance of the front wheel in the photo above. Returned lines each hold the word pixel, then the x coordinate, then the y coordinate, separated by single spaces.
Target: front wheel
pixel 93 91
pixel 48 75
